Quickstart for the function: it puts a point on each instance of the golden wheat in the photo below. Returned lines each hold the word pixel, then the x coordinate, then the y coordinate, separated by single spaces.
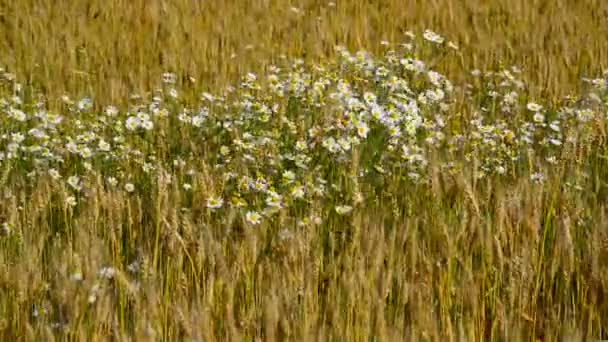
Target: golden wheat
pixel 166 221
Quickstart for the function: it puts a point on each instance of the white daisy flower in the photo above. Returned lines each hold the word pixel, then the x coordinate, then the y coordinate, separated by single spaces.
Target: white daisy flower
pixel 362 130
pixel 432 37
pixel 273 199
pixel 297 191
pixel 343 209
pixel 74 182
pixel 70 201
pixel 253 217
pixel 132 123
pixel 538 117
pixel 129 187
pixel 215 202
pixel 534 107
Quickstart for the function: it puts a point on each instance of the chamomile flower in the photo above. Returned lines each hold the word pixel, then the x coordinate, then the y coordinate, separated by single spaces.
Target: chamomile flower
pixel 85 152
pixel 534 107
pixel 173 93
pixel 129 187
pixel 289 176
pixel 538 118
pixel 107 272
pixel 111 111
pixel 132 123
pixel 362 130
pixel 301 145
pixel 297 191
pixel 147 125
pixel 215 202
pixel 432 37
pixel 198 120
pixel 54 174
pixel 70 201
pixel 85 104
pixel 343 209
pixel 112 181
pixel 169 78
pixel 103 146
pixel 260 184
pixel 74 182
pixel 253 218
pixel 394 131
pixel 274 200
pixel 537 177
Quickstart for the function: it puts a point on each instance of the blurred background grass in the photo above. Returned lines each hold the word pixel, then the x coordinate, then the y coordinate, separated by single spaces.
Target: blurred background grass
pixel 111 48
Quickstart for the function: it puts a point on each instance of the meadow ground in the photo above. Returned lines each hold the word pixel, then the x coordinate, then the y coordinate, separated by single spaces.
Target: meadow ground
pixel 312 170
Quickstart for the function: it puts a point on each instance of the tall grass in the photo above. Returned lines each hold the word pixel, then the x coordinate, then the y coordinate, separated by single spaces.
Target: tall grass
pixel 269 170
pixel 113 48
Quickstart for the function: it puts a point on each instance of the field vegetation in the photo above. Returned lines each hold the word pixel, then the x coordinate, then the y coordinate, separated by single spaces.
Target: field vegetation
pixel 312 170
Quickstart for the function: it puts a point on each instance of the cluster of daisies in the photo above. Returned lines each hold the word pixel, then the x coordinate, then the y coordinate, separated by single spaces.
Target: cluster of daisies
pixel 301 138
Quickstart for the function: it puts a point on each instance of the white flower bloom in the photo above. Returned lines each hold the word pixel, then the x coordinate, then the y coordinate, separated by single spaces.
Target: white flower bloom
pixel 17 137
pixel 555 142
pixel 362 130
pixel 143 116
pixel 297 191
pixel 74 182
pixel 17 114
pixel 132 123
pixel 343 209
pixel 111 111
pixel 537 177
pixel 70 201
pixel 13 147
pixel 555 126
pixel 86 152
pixel 85 104
pixel 435 95
pixel 432 37
pixel 534 107
pixel 198 120
pixel 169 78
pixel 369 98
pixel 215 202
pixel 208 97
pixel 289 176
pixel 129 187
pixel 173 93
pixel 112 181
pixel 38 133
pixel 584 115
pixel 184 117
pixel 253 217
pixel 301 145
pixel 394 131
pixel 435 78
pixel 107 272
pixel 103 146
pixel 274 199
pixel 54 174
pixel 147 125
pixel 538 117
pixel 344 144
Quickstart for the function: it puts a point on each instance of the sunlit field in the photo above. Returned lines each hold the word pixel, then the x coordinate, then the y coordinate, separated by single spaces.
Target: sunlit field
pixel 308 171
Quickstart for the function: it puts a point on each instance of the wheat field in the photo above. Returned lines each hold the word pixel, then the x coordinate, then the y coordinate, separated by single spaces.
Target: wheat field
pixel 275 170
